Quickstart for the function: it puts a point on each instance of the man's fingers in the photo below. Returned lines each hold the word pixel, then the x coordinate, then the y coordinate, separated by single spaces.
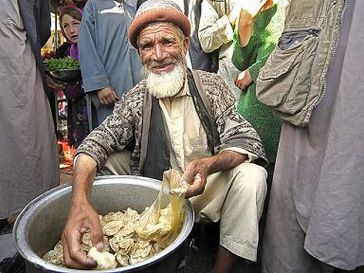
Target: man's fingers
pixel 97 237
pixel 74 257
pixel 110 98
pixel 76 254
pixel 197 187
pixel 115 95
pixel 241 85
pixel 102 100
pixel 186 178
pixel 73 264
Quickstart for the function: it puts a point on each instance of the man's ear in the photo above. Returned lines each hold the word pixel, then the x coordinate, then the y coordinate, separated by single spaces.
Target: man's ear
pixel 186 43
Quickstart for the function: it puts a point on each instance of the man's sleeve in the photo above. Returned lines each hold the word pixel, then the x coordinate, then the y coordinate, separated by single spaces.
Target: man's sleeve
pixel 235 132
pixel 113 134
pixel 94 75
pixel 213 32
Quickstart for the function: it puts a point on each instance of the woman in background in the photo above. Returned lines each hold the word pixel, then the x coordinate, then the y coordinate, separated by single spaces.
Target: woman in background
pixel 77 122
pixel 256 34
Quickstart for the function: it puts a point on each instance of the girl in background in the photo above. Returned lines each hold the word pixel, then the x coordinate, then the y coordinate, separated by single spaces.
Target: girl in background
pixel 77 122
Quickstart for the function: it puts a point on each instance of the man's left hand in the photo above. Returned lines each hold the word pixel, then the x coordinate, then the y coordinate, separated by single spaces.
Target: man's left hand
pixel 196 176
pixel 198 170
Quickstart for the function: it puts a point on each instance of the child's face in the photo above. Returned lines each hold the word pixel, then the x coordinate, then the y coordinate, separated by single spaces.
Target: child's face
pixel 71 28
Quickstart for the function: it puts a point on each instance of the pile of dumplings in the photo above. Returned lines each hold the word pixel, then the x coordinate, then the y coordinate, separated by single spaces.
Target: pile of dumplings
pixel 130 237
pixel 122 244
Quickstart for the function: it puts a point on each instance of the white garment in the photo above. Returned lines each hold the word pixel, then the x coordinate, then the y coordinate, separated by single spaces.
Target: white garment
pixel 29 157
pixel 235 198
pixel 187 135
pixel 215 31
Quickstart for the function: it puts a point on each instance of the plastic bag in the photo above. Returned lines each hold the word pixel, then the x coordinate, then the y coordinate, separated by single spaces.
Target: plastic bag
pixel 159 224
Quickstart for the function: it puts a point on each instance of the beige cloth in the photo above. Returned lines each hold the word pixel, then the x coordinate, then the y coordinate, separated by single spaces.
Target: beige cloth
pixel 29 157
pixel 215 31
pixel 235 198
pixel 187 136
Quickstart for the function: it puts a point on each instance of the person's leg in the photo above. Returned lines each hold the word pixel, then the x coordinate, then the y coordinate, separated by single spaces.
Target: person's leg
pixel 118 163
pixel 235 198
pixel 225 261
pixel 240 215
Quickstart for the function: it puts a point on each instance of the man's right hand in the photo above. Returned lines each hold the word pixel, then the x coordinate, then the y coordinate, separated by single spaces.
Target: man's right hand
pixel 82 217
pixel 107 96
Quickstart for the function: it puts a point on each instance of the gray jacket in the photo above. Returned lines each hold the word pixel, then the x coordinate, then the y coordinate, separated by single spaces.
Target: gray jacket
pixel 37 24
pixel 292 81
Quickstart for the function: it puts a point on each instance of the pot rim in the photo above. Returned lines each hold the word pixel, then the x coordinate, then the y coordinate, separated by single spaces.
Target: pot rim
pixel 19 229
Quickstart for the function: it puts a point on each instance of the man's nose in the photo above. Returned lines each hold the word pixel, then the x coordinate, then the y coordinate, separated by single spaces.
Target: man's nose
pixel 159 52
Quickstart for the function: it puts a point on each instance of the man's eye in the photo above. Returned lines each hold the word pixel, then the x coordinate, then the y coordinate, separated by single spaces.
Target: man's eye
pixel 169 42
pixel 145 46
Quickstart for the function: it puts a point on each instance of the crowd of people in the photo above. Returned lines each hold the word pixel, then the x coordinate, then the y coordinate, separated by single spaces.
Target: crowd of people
pixel 256 103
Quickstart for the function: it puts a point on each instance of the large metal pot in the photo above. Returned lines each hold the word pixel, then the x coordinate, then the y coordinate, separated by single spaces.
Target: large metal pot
pixel 40 224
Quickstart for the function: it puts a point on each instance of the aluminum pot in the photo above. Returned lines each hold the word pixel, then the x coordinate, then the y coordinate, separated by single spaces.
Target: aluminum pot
pixel 40 224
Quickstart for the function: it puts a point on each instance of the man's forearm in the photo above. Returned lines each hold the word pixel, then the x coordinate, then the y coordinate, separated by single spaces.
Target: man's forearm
pixel 225 161
pixel 83 177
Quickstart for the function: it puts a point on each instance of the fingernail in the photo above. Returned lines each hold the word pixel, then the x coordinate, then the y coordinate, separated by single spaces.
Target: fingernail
pixel 99 245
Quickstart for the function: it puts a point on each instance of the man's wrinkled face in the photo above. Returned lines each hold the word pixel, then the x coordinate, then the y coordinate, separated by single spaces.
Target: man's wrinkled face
pixel 162 48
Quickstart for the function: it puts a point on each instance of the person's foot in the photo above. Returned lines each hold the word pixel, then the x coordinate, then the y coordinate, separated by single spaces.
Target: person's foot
pixel 15 264
pixel 3 223
pixel 225 261
pixel 5 226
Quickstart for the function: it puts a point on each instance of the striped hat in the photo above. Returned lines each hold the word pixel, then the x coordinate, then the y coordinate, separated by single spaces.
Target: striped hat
pixel 153 11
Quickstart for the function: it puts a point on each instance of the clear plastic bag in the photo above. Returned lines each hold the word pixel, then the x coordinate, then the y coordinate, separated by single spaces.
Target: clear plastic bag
pixel 159 224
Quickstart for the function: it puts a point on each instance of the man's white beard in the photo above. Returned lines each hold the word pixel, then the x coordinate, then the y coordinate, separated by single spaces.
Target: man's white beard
pixel 168 84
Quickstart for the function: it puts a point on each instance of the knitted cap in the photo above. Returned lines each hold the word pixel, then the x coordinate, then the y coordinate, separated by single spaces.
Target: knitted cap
pixel 158 11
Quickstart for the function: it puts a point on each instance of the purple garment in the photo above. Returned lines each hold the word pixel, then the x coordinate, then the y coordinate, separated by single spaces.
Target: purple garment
pixel 74 51
pixel 77 119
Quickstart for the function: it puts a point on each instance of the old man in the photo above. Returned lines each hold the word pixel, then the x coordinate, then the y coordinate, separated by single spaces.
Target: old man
pixel 181 119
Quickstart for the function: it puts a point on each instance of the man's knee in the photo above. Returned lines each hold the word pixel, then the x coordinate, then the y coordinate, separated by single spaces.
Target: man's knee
pixel 251 178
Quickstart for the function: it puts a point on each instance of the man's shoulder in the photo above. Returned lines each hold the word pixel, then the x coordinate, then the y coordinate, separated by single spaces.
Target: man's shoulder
pixel 138 91
pixel 133 99
pixel 215 88
pixel 205 74
pixel 210 81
